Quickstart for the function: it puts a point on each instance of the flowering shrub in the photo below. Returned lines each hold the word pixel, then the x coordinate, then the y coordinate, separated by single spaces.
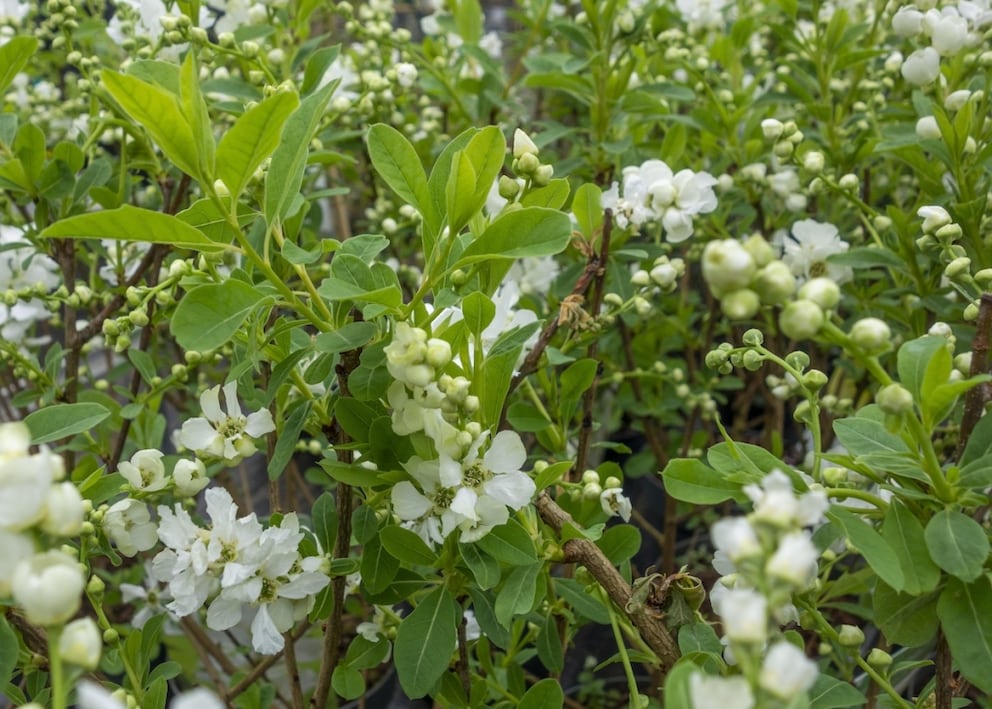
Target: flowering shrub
pixel 495 355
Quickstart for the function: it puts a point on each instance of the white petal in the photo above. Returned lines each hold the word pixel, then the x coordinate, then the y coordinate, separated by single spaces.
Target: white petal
pixel 449 471
pixel 265 636
pixel 210 404
pixel 507 453
pixel 408 504
pixel 512 489
pixel 223 613
pixel 259 423
pixel 306 584
pixel 198 435
pixel 464 503
pixel 231 399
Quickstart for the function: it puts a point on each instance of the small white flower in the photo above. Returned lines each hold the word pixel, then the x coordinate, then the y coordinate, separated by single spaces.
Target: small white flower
pixel 225 435
pixel 24 479
pixel 145 472
pixel 810 244
pixel 48 586
pixel 736 538
pixel 745 615
pixel 81 643
pixel 907 22
pixel 708 692
pixel 786 671
pixel 406 74
pixel 614 502
pixel 794 560
pixel 14 548
pixel 129 526
pixel 63 510
pixel 922 66
pixel 948 31
pixel 189 476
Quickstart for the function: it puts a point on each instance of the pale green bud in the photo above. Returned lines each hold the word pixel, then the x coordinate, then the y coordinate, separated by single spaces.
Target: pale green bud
pixel 872 335
pixel 879 659
pixel 775 283
pixel 801 319
pixel 740 304
pixel 523 145
pixel 894 399
pixel 823 291
pixel 851 636
pixel 759 248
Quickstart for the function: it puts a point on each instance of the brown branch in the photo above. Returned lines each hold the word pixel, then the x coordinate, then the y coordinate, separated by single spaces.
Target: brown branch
pixel 974 402
pixel 583 551
pixel 463 667
pixel 943 689
pixel 262 667
pixel 213 649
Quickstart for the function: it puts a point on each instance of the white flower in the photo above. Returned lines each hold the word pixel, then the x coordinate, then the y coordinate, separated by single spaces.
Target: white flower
pixel 406 74
pixel 705 14
pixel 794 560
pixel 948 31
pixel 145 472
pixel 907 22
pixel 23 267
pixel 198 698
pixel 81 643
pixel 189 476
pixel 533 274
pixel 614 502
pixel 149 599
pixel 63 510
pixel 707 692
pixel 786 671
pixel 745 615
pixel 808 247
pixel 922 66
pixel 373 629
pixel 48 586
pixel 24 479
pixel 90 695
pixel 934 217
pixel 14 548
pixel 129 526
pixel 221 435
pixel 736 538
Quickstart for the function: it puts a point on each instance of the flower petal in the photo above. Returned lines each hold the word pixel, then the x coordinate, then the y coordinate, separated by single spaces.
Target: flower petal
pixel 506 454
pixel 210 404
pixel 265 636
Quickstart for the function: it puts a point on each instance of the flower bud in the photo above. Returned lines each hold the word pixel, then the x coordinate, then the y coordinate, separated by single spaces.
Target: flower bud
pixel 438 352
pixel 759 248
pixel 640 278
pixel 772 128
pixel 523 145
pixel 727 266
pixel 81 643
pixel 814 380
pixel 879 659
pixel 801 319
pixel 934 217
pixel 872 335
pixel 753 337
pixel 543 175
pixel 527 164
pixel 927 128
pixel 894 399
pixel 508 187
pixel 813 161
pixel 48 587
pixel 848 182
pixel 850 636
pixel 740 304
pixel 63 510
pixel 823 291
pixel 957 267
pixel 775 283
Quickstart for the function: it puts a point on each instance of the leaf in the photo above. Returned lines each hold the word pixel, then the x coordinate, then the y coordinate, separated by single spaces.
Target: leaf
pixel 478 311
pixel 958 544
pixel 905 619
pixel 914 358
pixel 209 315
pixel 14 56
pixel 63 420
pixel 195 109
pixel 529 231
pixel 324 517
pixel 620 542
pixel 699 637
pixel 549 649
pixel 904 533
pixel 553 195
pixel 127 223
pixel 425 641
pixel 161 114
pixel 509 543
pixel 407 546
pixel 979 443
pixel 965 612
pixel 581 600
pixel 347 682
pixel 398 164
pixel 587 206
pixel 876 551
pixel 287 439
pixel 864 436
pixel 484 568
pixel 350 336
pixel 486 617
pixel 207 217
pixel 831 693
pixel 365 654
pixel 459 197
pixel 252 139
pixel 289 160
pixel 379 567
pixel 545 694
pixel 692 481
pixel 9 649
pixel 517 594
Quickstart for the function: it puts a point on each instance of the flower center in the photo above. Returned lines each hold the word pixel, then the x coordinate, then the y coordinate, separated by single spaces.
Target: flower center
pixel 475 475
pixel 232 426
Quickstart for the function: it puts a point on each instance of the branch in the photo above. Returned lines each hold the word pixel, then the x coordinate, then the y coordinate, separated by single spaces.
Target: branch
pixel 974 402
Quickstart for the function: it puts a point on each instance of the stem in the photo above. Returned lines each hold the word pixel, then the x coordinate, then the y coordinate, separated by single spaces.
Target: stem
pixel 942 686
pixel 56 669
pixel 624 657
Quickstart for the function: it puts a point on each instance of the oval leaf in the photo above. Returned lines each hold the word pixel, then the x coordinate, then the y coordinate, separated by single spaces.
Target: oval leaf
pixel 965 612
pixel 127 223
pixel 63 420
pixel 530 231
pixel 425 641
pixel 208 316
pixel 251 139
pixel 958 544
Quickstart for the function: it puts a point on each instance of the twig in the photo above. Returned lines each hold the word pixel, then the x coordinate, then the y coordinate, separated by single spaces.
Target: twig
pixel 213 649
pixel 943 691
pixel 463 668
pixel 976 397
pixel 294 672
pixel 582 551
pixel 262 667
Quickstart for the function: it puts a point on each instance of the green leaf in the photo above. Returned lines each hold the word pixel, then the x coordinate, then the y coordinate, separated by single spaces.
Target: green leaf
pixel 252 139
pixel 529 231
pixel 350 336
pixel 905 619
pixel 483 567
pixel 434 209
pixel 545 694
pixel 864 436
pixel 553 195
pixel 677 692
pixel 509 543
pixel 209 315
pixel 517 594
pixel 620 542
pixel 398 164
pixel 379 567
pixel 459 192
pixel 195 109
pixel 160 112
pixel 14 56
pixel 347 682
pixel 407 546
pixel 877 552
pixel 692 481
pixel 287 439
pixel 831 693
pixel 904 533
pixel 207 217
pixel 365 654
pixel 958 544
pixel 63 420
pixel 965 612
pixel 913 360
pixel 979 443
pixel 549 649
pixel 324 516
pixel 587 206
pixel 9 649
pixel 317 66
pixel 127 223
pixel 289 160
pixel 486 616
pixel 575 381
pixel 478 311
pixel 977 473
pixel 699 637
pixel 425 641
pixel 582 601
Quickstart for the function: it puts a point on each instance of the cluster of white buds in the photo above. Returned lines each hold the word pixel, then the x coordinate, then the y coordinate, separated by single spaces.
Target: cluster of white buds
pixel 526 162
pixel 784 136
pixel 664 275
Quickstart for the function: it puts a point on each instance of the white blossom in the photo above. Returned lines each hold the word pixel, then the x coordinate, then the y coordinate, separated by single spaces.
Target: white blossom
pixel 614 502
pixel 48 586
pixel 794 560
pixel 809 245
pixel 744 613
pixel 786 671
pixel 225 435
pixel 81 643
pixel 129 526
pixel 922 66
pixel 708 692
pixel 145 472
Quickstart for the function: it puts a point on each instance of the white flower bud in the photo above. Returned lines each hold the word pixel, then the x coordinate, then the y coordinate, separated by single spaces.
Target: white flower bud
pixel 48 586
pixel 927 128
pixel 872 335
pixel 786 671
pixel 801 319
pixel 189 477
pixel 438 352
pixel 740 304
pixel 81 643
pixel 772 128
pixel 641 278
pixel 957 267
pixel 813 161
pixel 921 67
pixel 956 100
pixel 894 399
pixel 934 217
pixel 63 510
pixel 775 283
pixel 744 614
pixel 727 266
pixel 523 145
pixel 907 22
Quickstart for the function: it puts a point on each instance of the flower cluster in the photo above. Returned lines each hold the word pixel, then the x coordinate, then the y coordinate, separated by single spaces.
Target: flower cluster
pixel 234 562
pixel 764 558
pixel 652 192
pixel 25 274
pixel 949 30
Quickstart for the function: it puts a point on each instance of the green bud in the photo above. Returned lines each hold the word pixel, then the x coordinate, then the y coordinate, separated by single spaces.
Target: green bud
pixel 95 586
pixel 508 187
pixel 894 399
pixel 879 659
pixel 741 304
pixel 814 380
pixel 872 335
pixel 851 636
pixel 753 337
pixel 797 359
pixel 752 360
pixel 801 319
pixel 110 636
